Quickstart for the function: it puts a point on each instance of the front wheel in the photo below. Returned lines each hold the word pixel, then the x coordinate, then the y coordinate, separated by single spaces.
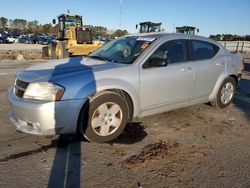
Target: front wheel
pixel 104 117
pixel 225 93
pixel 61 51
pixel 52 51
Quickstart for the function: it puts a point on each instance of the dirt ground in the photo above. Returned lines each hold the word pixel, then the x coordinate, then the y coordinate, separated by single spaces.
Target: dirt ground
pixel 198 146
pixel 21 46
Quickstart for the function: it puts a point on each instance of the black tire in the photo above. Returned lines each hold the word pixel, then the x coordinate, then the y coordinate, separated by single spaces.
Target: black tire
pixel 91 108
pixel 45 52
pixel 52 51
pixel 63 51
pixel 218 101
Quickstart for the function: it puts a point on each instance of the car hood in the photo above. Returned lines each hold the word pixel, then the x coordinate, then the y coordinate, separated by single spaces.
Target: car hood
pixel 56 70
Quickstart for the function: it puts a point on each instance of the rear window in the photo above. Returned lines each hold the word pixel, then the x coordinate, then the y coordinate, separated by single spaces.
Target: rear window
pixel 203 50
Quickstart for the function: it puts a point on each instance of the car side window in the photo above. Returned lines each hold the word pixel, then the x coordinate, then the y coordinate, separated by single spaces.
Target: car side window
pixel 203 50
pixel 174 51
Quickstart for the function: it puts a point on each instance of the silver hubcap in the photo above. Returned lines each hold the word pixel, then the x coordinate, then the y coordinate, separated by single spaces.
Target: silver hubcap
pixel 227 93
pixel 106 119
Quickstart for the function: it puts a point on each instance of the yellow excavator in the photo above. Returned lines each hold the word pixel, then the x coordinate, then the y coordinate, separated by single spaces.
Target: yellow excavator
pixel 73 39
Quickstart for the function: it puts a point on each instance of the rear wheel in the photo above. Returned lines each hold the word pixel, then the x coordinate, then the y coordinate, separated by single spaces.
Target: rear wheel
pixel 226 93
pixel 61 51
pixel 104 118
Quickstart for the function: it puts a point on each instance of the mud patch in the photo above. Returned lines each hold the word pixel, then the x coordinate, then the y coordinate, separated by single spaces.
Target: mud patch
pixel 154 151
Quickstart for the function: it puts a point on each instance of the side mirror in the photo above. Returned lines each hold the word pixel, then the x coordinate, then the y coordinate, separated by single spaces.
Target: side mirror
pixel 136 26
pixel 54 21
pixel 155 62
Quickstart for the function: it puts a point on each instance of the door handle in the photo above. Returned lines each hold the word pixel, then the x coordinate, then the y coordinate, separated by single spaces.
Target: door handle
pixel 186 69
pixel 220 64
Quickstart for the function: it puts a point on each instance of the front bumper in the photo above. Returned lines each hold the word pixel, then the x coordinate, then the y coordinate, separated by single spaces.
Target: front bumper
pixel 44 118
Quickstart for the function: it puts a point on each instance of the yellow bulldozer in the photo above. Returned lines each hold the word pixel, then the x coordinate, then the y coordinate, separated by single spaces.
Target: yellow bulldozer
pixel 187 30
pixel 149 27
pixel 72 40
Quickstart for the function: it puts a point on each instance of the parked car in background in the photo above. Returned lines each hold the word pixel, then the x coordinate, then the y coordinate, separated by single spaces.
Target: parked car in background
pixel 3 38
pixel 132 76
pixel 41 39
pixel 12 39
pixel 102 40
pixel 34 38
pixel 45 39
pixel 25 39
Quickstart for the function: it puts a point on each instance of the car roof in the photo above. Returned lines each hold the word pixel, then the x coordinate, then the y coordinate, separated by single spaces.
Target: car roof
pixel 173 35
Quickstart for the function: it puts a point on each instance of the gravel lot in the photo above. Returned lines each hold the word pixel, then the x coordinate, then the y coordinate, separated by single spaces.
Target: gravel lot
pixel 198 146
pixel 20 46
pixel 20 52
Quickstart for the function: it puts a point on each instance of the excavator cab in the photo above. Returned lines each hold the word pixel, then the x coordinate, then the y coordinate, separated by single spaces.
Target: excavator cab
pixel 148 27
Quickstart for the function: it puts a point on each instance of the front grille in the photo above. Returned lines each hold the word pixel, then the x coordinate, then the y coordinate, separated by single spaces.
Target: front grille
pixel 83 36
pixel 20 87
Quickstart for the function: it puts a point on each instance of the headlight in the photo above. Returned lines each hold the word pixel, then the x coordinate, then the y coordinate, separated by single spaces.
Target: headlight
pixel 43 91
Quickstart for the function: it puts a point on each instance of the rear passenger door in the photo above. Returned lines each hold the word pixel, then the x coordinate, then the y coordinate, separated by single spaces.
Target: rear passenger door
pixel 209 65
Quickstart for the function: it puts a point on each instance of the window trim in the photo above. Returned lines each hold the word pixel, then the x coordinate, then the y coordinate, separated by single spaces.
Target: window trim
pixel 192 57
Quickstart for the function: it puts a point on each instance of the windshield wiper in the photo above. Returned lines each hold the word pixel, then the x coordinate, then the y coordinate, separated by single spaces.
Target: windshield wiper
pixel 99 57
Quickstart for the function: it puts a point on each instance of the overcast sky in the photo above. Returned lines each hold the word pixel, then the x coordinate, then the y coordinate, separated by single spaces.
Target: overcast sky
pixel 211 17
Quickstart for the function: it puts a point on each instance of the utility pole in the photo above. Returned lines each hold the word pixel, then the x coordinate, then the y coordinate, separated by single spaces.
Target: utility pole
pixel 120 21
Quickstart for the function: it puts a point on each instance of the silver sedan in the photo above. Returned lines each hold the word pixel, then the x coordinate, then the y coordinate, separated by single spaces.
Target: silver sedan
pixel 130 77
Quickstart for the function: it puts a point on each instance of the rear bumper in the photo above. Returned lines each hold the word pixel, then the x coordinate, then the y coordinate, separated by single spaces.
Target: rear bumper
pixel 44 118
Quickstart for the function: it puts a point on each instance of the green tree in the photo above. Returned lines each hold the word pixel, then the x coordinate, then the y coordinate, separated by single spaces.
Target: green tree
pixel 216 37
pixel 119 33
pixel 228 37
pixel 47 28
pixel 19 23
pixel 99 31
pixel 33 26
pixel 3 22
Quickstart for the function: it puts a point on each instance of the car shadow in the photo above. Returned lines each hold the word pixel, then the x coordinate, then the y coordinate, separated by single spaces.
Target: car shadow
pixel 134 132
pixel 66 167
pixel 242 100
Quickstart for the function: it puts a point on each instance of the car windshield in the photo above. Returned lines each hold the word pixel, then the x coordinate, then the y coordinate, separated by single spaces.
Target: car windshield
pixel 123 50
